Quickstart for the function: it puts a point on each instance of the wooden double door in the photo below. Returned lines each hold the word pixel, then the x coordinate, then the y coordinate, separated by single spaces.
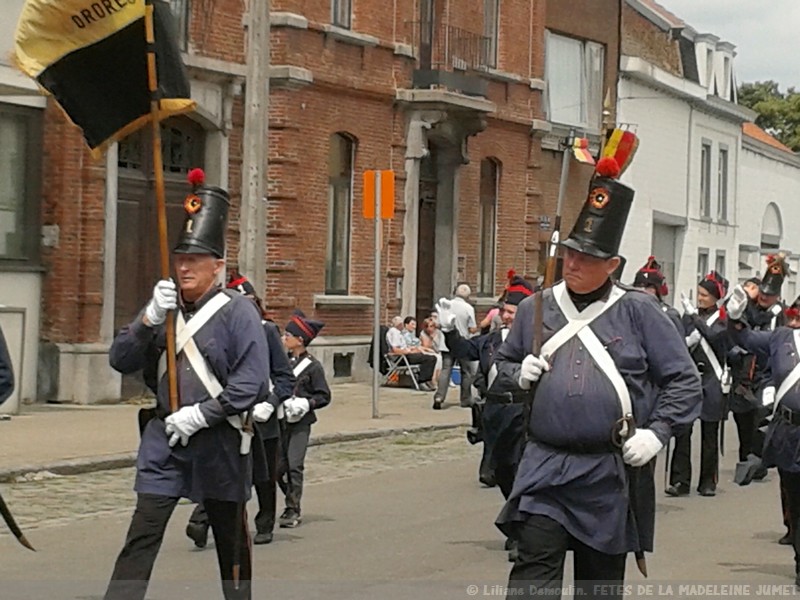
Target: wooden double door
pixel 138 258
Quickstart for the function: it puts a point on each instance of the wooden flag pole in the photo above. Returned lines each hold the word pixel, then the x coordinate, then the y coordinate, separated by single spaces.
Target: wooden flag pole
pixel 158 169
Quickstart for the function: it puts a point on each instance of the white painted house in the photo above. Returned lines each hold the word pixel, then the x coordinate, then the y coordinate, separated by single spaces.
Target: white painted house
pixel 679 93
pixel 768 207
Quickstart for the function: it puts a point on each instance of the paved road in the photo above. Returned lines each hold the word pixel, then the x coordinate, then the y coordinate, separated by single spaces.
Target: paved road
pixel 391 519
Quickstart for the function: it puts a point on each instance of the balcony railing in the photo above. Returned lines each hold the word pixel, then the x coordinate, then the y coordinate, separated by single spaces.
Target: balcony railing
pixel 449 57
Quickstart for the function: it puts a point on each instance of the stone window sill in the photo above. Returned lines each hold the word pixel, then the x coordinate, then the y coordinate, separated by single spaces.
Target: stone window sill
pixel 350 37
pixel 333 301
pixel 406 50
pixel 498 75
pixel 287 19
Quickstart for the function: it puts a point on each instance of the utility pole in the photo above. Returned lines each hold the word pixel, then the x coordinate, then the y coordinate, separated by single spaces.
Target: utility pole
pixel 252 211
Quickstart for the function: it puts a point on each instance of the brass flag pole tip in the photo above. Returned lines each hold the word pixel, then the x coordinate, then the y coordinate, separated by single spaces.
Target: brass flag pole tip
pixel 24 541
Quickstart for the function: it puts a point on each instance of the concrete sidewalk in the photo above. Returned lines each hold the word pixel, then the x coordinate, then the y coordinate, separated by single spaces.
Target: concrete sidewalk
pixel 64 438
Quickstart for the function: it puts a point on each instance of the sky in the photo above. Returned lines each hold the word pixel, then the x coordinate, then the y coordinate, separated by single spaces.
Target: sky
pixel 765 33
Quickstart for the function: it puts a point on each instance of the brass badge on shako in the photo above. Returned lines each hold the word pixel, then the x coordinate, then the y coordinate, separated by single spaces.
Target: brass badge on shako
pixel 192 204
pixel 599 197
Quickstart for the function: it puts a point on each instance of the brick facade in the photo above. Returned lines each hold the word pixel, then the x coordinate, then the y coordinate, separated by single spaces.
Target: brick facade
pixel 354 91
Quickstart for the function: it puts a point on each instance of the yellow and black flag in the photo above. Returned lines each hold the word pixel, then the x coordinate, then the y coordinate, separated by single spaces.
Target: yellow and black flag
pixel 91 55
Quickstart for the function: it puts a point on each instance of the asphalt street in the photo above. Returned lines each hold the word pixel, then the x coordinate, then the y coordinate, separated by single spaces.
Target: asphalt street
pixel 396 518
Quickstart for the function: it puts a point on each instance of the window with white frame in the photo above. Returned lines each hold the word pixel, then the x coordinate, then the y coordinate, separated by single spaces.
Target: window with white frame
pixel 491 30
pixel 341 13
pixel 490 180
pixel 574 71
pixel 705 179
pixel 702 263
pixel 340 206
pixel 722 185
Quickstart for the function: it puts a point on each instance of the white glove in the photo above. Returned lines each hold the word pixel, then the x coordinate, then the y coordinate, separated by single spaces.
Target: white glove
pixel 737 303
pixel 184 424
pixel 640 448
pixel 532 369
pixel 693 339
pixel 165 297
pixel 768 396
pixel 688 308
pixel 447 319
pixel 296 409
pixel 262 412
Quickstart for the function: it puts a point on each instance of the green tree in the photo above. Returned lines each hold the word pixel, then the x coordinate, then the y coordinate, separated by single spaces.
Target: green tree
pixel 778 112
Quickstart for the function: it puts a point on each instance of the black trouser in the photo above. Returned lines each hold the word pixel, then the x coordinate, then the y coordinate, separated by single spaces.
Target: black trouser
pixel 427 365
pixel 681 469
pixel 539 570
pixel 267 491
pixel 788 521
pixel 135 562
pixel 790 485
pixel 746 426
pixel 292 463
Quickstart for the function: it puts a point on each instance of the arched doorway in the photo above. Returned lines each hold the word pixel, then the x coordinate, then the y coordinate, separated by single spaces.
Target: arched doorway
pixel 137 262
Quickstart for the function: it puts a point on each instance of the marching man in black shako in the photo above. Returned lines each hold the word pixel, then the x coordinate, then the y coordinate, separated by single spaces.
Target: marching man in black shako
pixel 611 382
pixel 199 452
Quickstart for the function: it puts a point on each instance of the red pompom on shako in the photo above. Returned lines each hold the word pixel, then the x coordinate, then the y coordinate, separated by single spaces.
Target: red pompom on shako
pixel 196 177
pixel 608 167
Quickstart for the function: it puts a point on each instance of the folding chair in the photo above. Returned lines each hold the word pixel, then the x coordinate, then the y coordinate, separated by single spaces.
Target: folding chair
pixel 399 365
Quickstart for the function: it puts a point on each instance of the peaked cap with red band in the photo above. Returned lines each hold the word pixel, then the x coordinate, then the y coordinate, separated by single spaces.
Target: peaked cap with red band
pixel 304 328
pixel 650 275
pixel 517 289
pixel 715 284
pixel 241 284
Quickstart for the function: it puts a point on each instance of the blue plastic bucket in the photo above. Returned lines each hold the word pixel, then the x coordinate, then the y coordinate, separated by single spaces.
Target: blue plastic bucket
pixel 455 375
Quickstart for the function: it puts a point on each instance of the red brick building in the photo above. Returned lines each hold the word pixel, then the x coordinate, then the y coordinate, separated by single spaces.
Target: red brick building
pixel 451 95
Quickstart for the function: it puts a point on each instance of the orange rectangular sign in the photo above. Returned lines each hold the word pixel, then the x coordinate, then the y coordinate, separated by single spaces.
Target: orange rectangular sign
pixel 386 192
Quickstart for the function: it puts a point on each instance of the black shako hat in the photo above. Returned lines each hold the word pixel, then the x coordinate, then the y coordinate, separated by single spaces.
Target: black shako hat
pixel 206 209
pixel 601 222
pixel 301 326
pixel 777 270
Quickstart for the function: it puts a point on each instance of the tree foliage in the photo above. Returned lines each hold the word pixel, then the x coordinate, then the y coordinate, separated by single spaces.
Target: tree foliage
pixel 778 112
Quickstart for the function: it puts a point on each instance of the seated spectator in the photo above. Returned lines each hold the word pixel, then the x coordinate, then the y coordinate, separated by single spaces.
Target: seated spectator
pixel 414 354
pixel 432 340
pixel 410 332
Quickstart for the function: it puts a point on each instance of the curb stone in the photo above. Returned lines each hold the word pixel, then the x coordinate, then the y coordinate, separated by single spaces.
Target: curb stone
pixel 107 462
